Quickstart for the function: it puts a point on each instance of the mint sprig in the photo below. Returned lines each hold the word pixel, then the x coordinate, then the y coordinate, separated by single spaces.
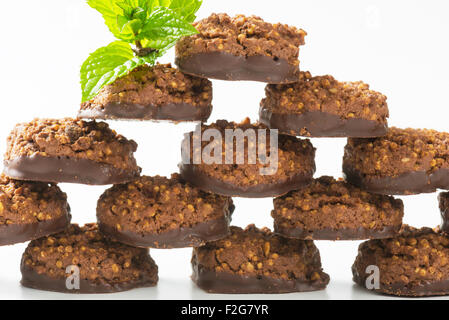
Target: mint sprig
pixel 145 30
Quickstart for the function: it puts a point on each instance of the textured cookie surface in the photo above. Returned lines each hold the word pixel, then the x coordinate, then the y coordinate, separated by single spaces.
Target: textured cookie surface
pixel 415 263
pixel 242 48
pixel 238 175
pixel 323 106
pixel 69 150
pixel 257 261
pixel 29 210
pixel 332 209
pixel 162 212
pixel 404 161
pixel 160 93
pixel 104 266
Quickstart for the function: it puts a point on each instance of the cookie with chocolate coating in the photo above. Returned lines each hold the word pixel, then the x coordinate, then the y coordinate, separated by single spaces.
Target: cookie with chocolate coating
pixel 31 210
pixel 157 92
pixel 404 162
pixel 81 260
pixel 255 260
pixel 246 160
pixel 330 209
pixel 159 212
pixel 414 264
pixel 69 150
pixel 241 48
pixel 321 106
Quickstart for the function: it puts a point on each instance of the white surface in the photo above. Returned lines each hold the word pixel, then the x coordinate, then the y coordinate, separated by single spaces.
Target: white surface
pixel 399 47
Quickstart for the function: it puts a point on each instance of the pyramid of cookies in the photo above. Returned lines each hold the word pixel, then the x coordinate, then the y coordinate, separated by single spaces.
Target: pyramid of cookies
pixel 193 208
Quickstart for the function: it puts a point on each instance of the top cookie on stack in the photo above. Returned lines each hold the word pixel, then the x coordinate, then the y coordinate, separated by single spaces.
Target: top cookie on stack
pixel 241 48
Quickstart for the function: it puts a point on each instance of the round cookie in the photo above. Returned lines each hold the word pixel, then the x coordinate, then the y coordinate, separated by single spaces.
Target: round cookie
pixel 81 260
pixel 258 261
pixel 324 107
pixel 332 209
pixel 404 162
pixel 31 210
pixel 165 213
pixel 247 171
pixel 415 264
pixel 241 48
pixel 68 150
pixel 152 93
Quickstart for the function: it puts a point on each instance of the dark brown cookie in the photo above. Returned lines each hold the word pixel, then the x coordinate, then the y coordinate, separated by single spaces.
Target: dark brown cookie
pixel 152 93
pixel 240 177
pixel 258 261
pixel 31 210
pixel 324 107
pixel 241 48
pixel 159 212
pixel 81 255
pixel 404 162
pixel 415 263
pixel 68 150
pixel 443 199
pixel 332 209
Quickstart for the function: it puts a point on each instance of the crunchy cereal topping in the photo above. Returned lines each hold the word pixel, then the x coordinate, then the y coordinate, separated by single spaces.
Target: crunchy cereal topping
pixel 30 202
pixel 243 36
pixel 295 156
pixel 157 86
pixel 157 204
pixel 99 259
pixel 325 94
pixel 414 257
pixel 260 252
pixel 71 138
pixel 330 203
pixel 400 151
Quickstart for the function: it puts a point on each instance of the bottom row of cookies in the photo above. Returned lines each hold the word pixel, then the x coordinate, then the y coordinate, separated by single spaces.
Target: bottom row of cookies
pixel 82 260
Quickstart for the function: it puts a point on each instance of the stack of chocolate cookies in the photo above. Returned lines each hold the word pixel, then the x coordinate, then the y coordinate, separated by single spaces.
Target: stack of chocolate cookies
pixel 193 208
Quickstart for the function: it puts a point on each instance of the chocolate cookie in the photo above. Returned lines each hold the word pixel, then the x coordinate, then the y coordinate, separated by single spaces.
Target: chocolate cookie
pixel 405 161
pixel 241 48
pixel 415 263
pixel 68 150
pixel 443 199
pixel 332 209
pixel 81 260
pixel 152 93
pixel 324 107
pixel 258 261
pixel 255 171
pixel 163 213
pixel 31 210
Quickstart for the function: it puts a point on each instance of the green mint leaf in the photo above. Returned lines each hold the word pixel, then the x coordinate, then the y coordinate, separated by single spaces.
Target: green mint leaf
pixel 107 64
pixel 163 28
pixel 186 8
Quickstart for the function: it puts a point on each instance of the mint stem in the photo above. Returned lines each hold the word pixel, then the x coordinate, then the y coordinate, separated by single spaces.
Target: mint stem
pixel 141 51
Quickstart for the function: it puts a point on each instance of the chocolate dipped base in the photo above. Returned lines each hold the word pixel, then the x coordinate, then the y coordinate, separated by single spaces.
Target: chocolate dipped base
pixel 222 282
pixel 338 234
pixel 182 237
pixel 226 66
pixel 321 124
pixel 32 279
pixel 199 179
pixel 423 289
pixel 405 184
pixel 17 233
pixel 128 111
pixel 62 169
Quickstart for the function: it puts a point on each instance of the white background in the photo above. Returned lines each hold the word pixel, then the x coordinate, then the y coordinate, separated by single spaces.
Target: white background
pixel 399 47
